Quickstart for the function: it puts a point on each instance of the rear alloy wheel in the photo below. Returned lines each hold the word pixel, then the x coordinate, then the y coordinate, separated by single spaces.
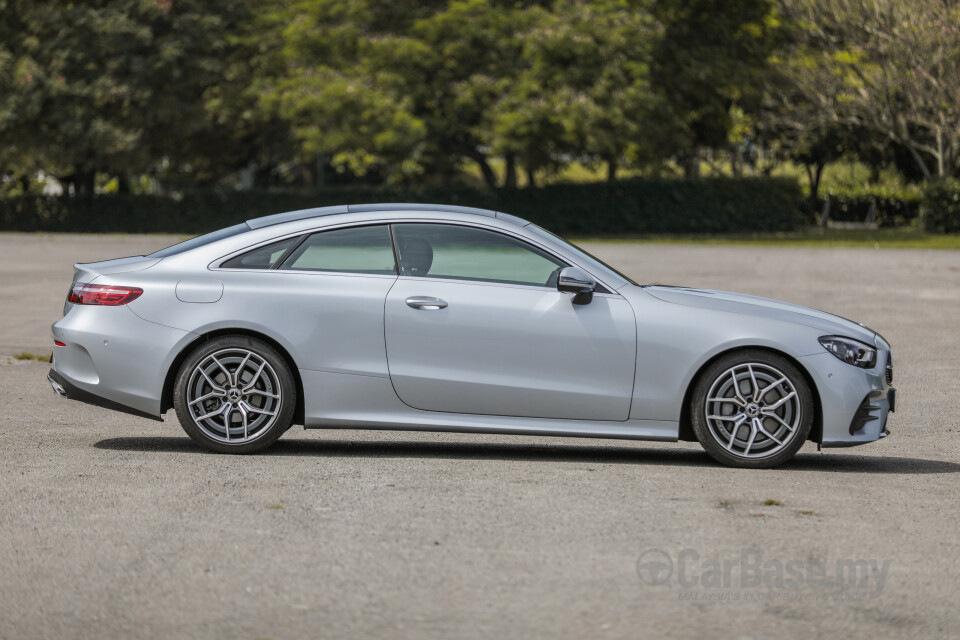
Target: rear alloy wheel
pixel 752 409
pixel 235 394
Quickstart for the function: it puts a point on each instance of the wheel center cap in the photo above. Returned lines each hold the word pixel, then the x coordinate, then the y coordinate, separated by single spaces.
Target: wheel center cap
pixel 753 410
pixel 234 395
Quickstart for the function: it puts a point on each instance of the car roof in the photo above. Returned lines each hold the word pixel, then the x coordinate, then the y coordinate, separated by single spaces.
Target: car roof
pixel 303 214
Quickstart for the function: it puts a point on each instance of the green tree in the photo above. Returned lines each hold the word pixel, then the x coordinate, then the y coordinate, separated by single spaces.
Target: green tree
pixel 324 68
pixel 92 87
pixel 453 65
pixel 582 89
pixel 712 57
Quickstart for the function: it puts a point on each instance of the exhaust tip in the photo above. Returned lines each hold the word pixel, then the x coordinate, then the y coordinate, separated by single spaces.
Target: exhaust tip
pixel 57 387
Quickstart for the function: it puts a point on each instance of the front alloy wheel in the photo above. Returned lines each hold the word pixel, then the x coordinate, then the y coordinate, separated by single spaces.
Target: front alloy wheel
pixel 235 394
pixel 752 409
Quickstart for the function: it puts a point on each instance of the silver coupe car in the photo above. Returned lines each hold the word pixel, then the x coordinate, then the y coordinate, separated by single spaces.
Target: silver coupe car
pixel 443 318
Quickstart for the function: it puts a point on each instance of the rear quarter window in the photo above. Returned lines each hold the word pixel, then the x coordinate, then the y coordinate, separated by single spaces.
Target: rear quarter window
pixel 261 257
pixel 367 250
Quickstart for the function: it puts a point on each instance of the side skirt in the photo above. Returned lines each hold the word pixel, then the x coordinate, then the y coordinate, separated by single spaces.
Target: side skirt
pixel 343 401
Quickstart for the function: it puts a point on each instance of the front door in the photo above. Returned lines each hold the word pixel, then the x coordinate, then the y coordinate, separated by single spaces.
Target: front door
pixel 476 325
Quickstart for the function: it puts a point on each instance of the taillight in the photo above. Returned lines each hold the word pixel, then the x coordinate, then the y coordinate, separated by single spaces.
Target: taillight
pixel 106 295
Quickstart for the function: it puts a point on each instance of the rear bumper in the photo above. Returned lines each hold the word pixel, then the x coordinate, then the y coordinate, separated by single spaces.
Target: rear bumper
pixel 65 389
pixel 110 357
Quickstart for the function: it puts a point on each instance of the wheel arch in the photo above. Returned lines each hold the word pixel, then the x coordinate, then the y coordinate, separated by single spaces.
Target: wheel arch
pixel 166 399
pixel 686 427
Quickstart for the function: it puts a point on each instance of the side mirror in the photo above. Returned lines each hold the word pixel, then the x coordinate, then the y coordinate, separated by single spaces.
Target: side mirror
pixel 578 282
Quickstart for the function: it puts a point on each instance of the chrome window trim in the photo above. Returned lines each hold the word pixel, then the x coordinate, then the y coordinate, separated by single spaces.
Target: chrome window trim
pixel 215 264
pixel 302 235
pixel 493 283
pixel 312 272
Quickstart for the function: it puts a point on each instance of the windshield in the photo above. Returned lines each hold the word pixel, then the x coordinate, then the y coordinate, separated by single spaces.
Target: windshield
pixel 199 241
pixel 583 255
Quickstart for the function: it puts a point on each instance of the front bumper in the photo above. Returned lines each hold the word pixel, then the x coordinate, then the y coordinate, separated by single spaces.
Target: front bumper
pixel 855 403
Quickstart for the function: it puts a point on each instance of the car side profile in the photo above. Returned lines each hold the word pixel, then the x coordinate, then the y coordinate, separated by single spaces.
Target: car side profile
pixel 443 318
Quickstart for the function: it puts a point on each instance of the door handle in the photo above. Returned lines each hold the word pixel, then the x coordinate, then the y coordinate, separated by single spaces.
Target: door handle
pixel 426 303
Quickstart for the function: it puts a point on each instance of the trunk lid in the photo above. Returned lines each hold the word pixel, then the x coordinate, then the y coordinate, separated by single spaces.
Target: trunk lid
pixel 88 271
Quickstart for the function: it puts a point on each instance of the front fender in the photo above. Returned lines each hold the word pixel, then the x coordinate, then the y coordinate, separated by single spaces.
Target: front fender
pixel 675 342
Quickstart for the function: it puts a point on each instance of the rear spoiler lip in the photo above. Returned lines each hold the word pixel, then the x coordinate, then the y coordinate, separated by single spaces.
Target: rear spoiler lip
pixel 117 265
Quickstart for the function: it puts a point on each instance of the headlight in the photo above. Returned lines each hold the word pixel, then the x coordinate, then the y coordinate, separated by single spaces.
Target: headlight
pixel 850 351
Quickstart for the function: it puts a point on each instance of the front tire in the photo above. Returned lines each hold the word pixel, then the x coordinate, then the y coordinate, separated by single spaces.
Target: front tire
pixel 752 409
pixel 235 394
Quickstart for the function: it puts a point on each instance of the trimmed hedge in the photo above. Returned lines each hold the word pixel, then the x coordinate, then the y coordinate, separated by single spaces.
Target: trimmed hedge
pixel 940 207
pixel 716 205
pixel 893 210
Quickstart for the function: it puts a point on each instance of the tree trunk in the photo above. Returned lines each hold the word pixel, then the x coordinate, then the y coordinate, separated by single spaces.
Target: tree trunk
pixel 691 163
pixel 940 172
pixel 123 182
pixel 531 177
pixel 510 175
pixel 918 158
pixel 903 137
pixel 814 173
pixel 308 173
pixel 612 169
pixel 263 176
pixel 83 182
pixel 470 151
pixel 489 175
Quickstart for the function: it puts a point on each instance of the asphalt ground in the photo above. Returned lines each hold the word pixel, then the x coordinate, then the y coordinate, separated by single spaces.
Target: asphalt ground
pixel 116 527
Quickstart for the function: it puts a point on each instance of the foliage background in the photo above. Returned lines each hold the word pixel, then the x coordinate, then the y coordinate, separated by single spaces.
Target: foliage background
pixel 165 97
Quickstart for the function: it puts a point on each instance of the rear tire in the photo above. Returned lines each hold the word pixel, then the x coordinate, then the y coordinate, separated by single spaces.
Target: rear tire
pixel 235 394
pixel 752 409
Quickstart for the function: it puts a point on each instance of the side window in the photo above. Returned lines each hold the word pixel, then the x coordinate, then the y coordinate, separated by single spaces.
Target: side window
pixel 261 257
pixel 350 250
pixel 468 253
